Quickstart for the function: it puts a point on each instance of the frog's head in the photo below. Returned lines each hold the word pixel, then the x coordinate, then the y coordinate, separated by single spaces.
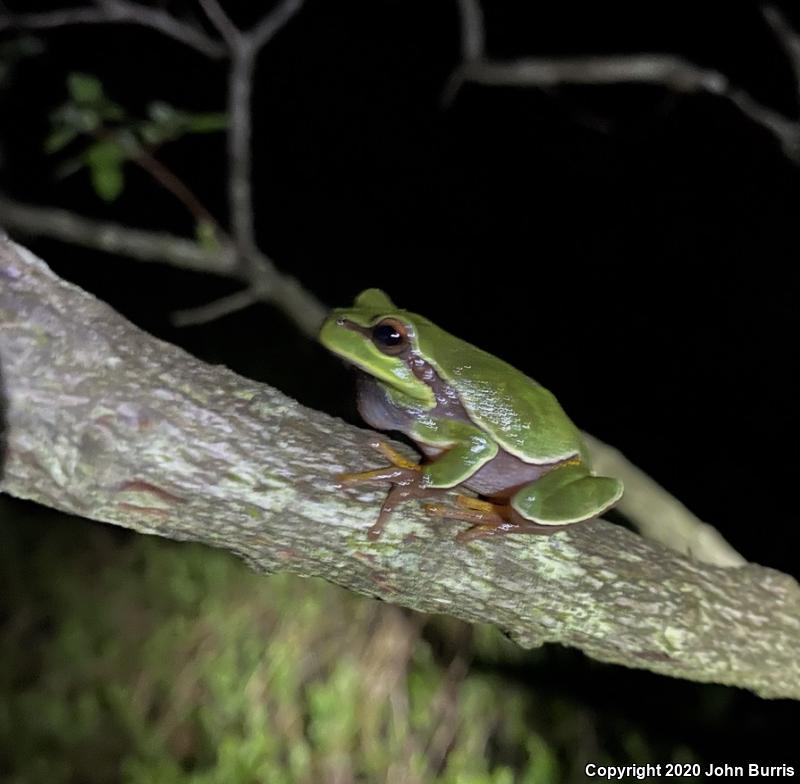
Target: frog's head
pixel 378 337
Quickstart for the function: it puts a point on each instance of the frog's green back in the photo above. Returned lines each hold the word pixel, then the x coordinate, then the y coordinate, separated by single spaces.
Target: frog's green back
pixel 522 416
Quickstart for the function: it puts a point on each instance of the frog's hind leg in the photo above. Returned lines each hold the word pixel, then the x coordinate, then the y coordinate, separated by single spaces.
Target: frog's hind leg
pixel 567 494
pixel 488 518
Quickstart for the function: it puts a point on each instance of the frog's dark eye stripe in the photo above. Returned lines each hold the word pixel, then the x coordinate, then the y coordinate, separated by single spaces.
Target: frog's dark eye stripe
pixel 390 336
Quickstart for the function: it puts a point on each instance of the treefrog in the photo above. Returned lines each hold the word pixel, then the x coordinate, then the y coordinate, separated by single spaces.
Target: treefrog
pixel 481 423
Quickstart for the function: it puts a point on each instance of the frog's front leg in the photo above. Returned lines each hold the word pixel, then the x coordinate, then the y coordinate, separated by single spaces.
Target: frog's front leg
pixel 465 450
pixel 405 477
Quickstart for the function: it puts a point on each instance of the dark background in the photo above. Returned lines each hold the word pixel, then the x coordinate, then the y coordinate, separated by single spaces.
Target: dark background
pixel 633 250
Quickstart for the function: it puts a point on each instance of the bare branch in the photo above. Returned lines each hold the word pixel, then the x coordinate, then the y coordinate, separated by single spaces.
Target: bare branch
pixel 243 49
pixel 170 181
pixel 222 22
pixel 788 38
pixel 240 154
pixel 657 515
pixel 51 19
pixel 106 422
pixel 644 500
pixel 785 130
pixel 669 71
pixel 261 274
pixel 115 238
pixel 119 12
pixel 264 31
pixel 224 306
pixel 285 293
pixel 661 69
pixel 473 36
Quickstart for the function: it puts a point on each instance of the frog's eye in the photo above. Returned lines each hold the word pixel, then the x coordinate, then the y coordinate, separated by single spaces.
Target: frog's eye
pixel 390 336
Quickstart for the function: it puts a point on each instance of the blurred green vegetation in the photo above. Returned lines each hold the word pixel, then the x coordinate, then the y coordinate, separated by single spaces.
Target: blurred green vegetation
pixel 130 658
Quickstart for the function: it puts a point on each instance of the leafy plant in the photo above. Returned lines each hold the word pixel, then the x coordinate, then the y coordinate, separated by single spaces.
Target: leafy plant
pixel 113 136
pixel 145 661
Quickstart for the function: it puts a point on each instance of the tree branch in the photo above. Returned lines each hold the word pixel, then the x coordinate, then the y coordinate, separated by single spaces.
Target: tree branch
pixel 106 422
pixel 115 238
pixel 243 49
pixel 669 71
pixel 222 22
pixel 657 514
pixel 240 153
pixel 223 306
pixel 262 276
pixel 473 36
pixel 676 526
pixel 787 38
pixel 272 22
pixel 118 12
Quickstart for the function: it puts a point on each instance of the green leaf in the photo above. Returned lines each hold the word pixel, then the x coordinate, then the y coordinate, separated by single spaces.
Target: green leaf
pixel 84 88
pixel 106 152
pixel 163 113
pixel 105 160
pixel 70 115
pixel 152 134
pixel 207 122
pixel 109 110
pixel 108 182
pixel 206 233
pixel 59 138
pixel 168 123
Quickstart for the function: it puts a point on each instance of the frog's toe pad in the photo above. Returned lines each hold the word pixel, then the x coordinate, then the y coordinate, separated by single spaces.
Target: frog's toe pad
pixel 572 502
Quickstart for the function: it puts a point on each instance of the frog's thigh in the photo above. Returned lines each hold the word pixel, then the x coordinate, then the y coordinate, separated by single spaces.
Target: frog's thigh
pixel 567 494
pixel 466 449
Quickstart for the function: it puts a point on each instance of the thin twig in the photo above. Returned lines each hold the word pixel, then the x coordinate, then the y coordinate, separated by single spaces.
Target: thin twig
pixel 175 185
pixel 119 12
pixel 115 238
pixel 224 306
pixel 657 514
pixel 473 37
pixel 240 118
pixel 261 274
pixel 789 40
pixel 666 70
pixel 243 49
pixel 263 32
pixel 669 71
pixel 222 22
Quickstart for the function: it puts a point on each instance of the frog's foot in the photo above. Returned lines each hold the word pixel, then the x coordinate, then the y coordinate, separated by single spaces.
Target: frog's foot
pixel 405 477
pixel 487 518
pixel 568 494
pixel 394 473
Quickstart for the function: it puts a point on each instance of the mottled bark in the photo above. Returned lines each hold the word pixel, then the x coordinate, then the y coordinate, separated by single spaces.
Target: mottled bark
pixel 104 421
